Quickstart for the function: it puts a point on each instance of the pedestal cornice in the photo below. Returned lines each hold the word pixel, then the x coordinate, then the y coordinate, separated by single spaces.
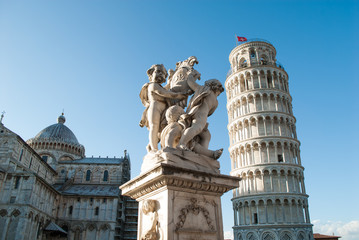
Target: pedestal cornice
pixel 164 175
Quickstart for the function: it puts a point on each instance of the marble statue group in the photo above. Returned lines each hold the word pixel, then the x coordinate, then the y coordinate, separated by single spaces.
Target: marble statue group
pixel 180 185
pixel 171 119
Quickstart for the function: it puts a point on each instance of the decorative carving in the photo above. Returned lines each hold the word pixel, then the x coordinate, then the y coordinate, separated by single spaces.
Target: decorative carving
pixel 104 227
pixel 183 183
pixel 195 209
pixel 91 227
pixel 149 208
pixel 3 212
pixel 15 213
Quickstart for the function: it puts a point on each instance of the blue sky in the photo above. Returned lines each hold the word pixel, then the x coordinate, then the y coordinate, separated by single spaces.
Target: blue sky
pixel 90 58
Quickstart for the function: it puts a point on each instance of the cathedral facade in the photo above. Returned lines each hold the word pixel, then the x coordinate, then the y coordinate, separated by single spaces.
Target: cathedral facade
pixel 271 202
pixel 49 189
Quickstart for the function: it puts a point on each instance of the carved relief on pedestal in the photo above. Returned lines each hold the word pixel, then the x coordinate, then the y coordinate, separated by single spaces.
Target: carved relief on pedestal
pixel 151 223
pixel 195 209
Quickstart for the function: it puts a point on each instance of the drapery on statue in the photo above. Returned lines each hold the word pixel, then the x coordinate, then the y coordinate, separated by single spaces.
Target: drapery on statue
pixel 176 128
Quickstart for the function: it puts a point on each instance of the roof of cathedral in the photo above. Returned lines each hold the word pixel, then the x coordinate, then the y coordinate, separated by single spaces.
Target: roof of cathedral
pixel 322 236
pixel 93 160
pixel 90 190
pixel 54 228
pixel 57 132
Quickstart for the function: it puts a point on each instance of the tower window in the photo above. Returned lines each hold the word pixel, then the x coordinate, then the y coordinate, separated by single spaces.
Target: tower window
pixel 96 211
pixel 88 175
pixel 255 218
pixel 280 158
pixel 244 64
pixel 78 199
pixel 263 61
pixel 105 176
pixel 253 54
pixel 70 210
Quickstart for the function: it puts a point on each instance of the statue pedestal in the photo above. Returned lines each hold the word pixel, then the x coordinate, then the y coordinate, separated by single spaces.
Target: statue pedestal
pixel 178 203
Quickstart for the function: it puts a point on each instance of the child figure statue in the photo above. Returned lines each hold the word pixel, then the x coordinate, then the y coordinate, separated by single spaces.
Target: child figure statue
pixel 156 100
pixel 173 132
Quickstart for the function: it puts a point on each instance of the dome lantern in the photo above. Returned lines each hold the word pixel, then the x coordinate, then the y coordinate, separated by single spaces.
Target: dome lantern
pixel 61 119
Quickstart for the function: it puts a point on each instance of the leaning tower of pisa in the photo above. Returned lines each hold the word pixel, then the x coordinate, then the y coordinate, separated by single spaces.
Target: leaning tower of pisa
pixel 270 202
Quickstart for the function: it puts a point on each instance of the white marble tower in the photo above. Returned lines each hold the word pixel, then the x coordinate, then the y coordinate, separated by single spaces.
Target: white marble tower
pixel 270 202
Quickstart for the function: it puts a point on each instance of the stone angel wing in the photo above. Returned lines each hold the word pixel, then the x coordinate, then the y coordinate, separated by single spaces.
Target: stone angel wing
pixel 145 102
pixel 144 95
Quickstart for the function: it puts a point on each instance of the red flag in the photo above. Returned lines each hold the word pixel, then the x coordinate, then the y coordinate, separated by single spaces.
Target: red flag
pixel 241 39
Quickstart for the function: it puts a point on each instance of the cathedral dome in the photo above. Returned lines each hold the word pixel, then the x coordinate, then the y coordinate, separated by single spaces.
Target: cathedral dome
pixel 57 132
pixel 57 137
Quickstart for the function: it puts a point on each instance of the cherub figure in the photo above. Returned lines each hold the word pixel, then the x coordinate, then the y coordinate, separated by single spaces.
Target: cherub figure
pixel 156 99
pixel 171 134
pixel 177 80
pixel 149 209
pixel 202 104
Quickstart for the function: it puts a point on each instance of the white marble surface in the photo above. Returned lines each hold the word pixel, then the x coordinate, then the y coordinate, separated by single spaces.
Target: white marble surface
pixel 188 201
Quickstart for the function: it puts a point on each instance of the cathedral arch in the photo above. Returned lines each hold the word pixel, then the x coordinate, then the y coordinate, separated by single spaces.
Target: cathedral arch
pixel 238 236
pixel 77 232
pixel 15 212
pixel 3 213
pixel 13 224
pixel 91 226
pixel 252 236
pixel 285 235
pixel 268 235
pixel 301 235
pixel 105 227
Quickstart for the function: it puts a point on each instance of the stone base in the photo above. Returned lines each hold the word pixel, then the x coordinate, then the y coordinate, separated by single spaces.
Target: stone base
pixel 180 158
pixel 177 203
